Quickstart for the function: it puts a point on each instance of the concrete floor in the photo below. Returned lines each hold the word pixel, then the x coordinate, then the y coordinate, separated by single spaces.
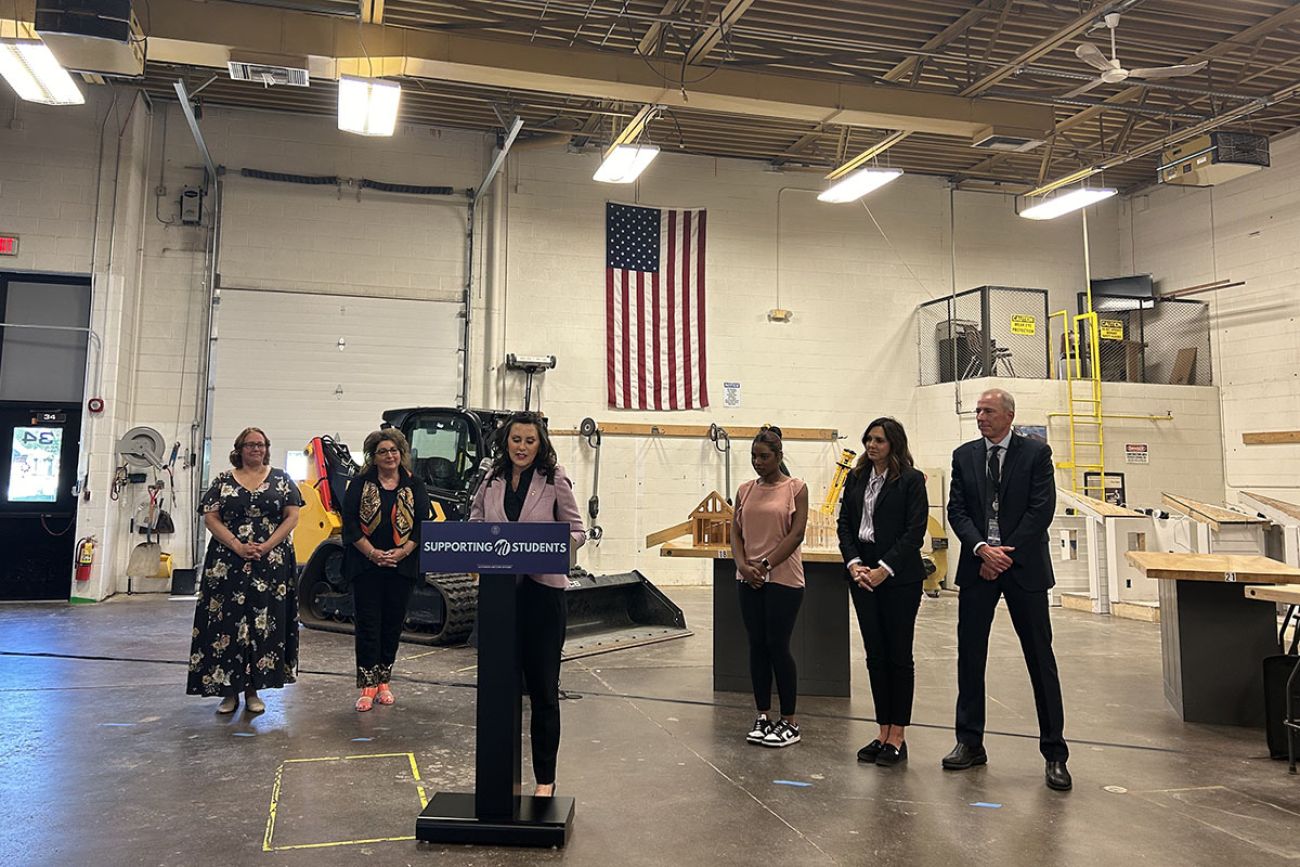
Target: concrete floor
pixel 104 760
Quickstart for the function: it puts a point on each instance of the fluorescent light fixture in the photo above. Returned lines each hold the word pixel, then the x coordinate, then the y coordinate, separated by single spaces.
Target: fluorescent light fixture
pixel 1050 209
pixel 855 185
pixel 624 163
pixel 368 106
pixel 35 75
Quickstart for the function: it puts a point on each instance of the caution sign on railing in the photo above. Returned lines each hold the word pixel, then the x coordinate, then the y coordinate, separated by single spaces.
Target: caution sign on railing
pixel 1022 323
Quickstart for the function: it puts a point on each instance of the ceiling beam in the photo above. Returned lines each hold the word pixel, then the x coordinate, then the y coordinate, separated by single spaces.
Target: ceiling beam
pixel 1035 51
pixel 715 32
pixel 942 38
pixel 1043 47
pixel 649 44
pixel 1243 40
pixel 204 34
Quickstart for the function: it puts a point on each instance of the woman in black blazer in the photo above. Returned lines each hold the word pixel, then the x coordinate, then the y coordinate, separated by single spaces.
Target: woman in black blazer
pixel 881 529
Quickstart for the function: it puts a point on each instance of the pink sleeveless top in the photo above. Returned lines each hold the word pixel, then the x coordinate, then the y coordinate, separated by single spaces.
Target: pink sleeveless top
pixel 764 514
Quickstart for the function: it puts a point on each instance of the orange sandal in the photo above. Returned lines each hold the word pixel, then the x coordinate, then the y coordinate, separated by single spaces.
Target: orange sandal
pixel 367 700
pixel 385 695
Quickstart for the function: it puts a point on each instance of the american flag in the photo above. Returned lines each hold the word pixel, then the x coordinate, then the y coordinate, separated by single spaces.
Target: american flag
pixel 654 308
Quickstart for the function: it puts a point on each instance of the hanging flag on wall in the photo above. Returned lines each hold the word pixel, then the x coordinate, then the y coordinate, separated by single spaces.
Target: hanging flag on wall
pixel 655 354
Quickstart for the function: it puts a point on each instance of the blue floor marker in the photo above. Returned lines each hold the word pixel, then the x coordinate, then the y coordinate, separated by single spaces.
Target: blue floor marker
pixel 792 783
pixel 245 735
pixel 362 740
pixel 987 804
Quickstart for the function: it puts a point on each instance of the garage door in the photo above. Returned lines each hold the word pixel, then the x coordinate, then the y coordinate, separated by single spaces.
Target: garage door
pixel 299 365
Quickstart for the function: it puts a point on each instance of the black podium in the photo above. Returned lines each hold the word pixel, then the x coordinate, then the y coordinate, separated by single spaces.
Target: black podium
pixel 495 813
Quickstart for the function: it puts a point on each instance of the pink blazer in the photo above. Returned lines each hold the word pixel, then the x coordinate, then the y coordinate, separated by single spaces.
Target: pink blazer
pixel 546 502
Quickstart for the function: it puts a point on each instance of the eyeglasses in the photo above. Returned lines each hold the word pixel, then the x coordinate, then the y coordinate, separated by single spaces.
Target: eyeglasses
pixel 253 446
pixel 382 452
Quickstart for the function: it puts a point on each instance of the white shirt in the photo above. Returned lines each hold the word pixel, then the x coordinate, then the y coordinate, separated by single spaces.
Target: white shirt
pixel 1002 462
pixel 867 529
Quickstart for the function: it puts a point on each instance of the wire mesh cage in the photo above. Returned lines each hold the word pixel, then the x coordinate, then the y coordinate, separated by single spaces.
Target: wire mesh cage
pixel 1152 340
pixel 986 331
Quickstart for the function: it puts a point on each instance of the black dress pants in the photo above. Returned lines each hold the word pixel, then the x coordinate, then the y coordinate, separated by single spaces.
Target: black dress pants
pixel 887 620
pixel 769 613
pixel 1029 615
pixel 541 617
pixel 380 596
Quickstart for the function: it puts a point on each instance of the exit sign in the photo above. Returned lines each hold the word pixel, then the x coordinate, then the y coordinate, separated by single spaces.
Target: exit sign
pixel 8 245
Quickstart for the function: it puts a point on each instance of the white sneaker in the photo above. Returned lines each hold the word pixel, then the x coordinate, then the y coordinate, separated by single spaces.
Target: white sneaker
pixel 783 734
pixel 762 725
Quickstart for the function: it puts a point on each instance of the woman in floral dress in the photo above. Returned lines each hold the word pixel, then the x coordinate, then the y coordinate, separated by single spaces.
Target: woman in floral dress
pixel 245 634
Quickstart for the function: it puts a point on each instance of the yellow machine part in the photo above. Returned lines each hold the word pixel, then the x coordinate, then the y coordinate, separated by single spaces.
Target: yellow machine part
pixel 315 523
pixel 940 556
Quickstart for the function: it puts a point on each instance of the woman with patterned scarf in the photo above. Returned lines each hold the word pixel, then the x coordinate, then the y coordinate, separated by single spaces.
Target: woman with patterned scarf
pixel 381 536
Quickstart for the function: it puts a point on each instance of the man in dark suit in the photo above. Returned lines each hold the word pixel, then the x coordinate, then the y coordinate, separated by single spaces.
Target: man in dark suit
pixel 1001 503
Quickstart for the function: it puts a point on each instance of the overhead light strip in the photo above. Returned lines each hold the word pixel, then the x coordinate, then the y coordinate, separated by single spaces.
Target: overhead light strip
pixel 35 74
pixel 1066 203
pixel 855 185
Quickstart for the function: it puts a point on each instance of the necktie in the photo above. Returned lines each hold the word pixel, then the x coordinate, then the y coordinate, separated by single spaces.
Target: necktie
pixel 995 472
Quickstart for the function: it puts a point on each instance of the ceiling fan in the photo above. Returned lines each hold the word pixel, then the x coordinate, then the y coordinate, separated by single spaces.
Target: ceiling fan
pixel 1113 72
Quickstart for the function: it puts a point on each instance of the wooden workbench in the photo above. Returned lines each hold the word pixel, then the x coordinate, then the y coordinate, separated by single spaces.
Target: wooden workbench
pixel 1286 594
pixel 1220 568
pixel 686 549
pixel 1213 639
pixel 820 642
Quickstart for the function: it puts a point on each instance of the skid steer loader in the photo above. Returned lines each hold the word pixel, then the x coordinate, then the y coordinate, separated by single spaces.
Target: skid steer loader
pixel 450 452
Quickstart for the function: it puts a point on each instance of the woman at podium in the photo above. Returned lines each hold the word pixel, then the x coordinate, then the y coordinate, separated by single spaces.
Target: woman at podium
pixel 526 484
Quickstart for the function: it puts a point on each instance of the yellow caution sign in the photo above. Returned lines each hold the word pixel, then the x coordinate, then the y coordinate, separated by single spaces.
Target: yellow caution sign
pixel 1023 323
pixel 1111 329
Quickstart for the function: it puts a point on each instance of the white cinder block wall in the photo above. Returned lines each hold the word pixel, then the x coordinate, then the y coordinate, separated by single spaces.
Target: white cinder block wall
pixel 850 353
pixel 1247 229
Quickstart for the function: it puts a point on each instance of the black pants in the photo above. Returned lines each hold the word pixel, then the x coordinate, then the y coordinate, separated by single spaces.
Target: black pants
pixel 540 623
pixel 380 597
pixel 1029 615
pixel 887 620
pixel 769 614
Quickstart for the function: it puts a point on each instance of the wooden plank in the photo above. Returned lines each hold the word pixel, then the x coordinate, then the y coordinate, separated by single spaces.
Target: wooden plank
pixel 1289 509
pixel 685 549
pixel 1231 568
pixel 698 431
pixel 1271 437
pixel 1099 508
pixel 682 529
pixel 1204 513
pixel 1284 593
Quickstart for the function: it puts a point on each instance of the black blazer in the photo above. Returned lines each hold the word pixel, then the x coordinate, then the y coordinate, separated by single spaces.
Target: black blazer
pixel 1026 507
pixel 899 518
pixel 354 562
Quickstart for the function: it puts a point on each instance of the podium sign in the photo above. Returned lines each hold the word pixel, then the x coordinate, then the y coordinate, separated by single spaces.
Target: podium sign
pixel 509 548
pixel 496 812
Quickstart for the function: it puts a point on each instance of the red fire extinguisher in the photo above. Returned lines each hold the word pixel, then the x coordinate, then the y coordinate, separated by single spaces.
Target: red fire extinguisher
pixel 85 557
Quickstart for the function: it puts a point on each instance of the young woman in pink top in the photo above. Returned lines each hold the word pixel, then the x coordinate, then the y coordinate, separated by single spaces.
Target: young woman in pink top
pixel 766 533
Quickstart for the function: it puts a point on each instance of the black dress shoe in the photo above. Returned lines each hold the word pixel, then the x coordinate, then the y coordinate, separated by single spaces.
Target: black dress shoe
pixel 891 755
pixel 1058 777
pixel 867 755
pixel 964 756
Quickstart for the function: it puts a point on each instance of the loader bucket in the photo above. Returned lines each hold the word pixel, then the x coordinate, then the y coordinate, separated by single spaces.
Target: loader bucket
pixel 614 612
